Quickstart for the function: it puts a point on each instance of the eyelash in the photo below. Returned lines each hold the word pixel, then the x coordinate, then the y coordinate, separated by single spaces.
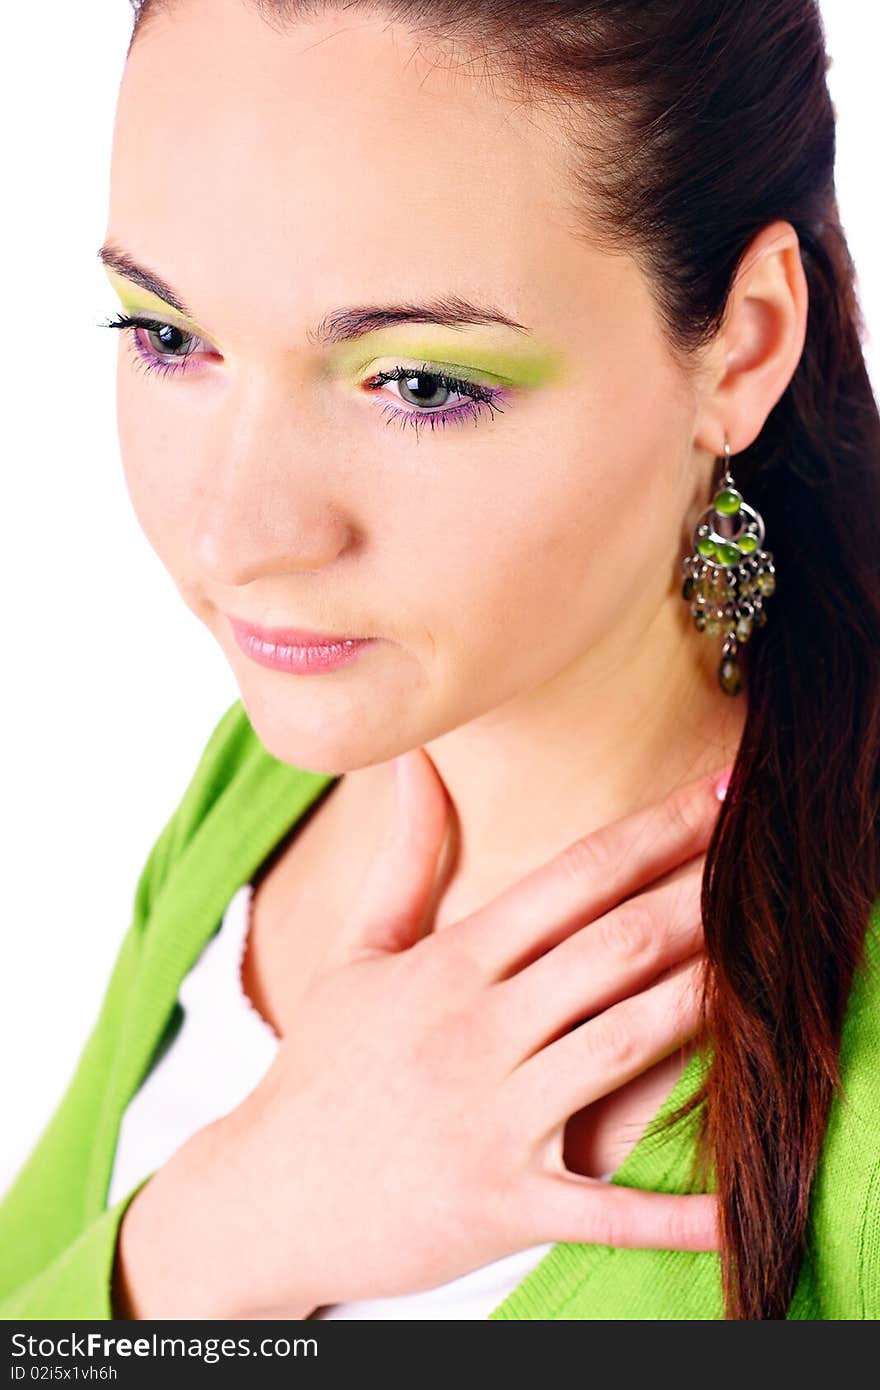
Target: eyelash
pixel 479 397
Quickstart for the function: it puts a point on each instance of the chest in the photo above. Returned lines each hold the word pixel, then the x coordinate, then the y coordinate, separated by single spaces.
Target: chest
pixel 301 900
pixel 298 903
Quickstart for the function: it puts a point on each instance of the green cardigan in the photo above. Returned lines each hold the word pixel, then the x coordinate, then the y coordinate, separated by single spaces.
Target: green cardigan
pixel 58 1238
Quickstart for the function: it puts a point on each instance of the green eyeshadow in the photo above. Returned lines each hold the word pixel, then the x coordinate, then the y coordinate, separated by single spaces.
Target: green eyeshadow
pixel 520 364
pixel 523 365
pixel 135 299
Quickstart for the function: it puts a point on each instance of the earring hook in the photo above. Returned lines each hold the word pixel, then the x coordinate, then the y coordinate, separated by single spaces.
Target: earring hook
pixel 726 478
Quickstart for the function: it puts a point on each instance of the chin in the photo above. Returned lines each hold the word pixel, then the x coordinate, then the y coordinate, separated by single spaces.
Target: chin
pixel 325 748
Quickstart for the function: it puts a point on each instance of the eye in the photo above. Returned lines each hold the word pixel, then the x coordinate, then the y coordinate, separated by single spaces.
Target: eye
pixel 422 389
pixel 427 390
pixel 161 347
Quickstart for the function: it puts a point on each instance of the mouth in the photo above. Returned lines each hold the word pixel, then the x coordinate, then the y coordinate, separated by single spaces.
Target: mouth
pixel 296 649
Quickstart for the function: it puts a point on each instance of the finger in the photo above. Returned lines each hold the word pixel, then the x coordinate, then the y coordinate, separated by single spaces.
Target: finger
pixel 570 1207
pixel 607 1051
pixel 611 958
pixel 398 884
pixel 589 877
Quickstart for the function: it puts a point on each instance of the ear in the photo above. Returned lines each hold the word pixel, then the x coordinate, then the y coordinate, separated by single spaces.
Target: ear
pixel 755 353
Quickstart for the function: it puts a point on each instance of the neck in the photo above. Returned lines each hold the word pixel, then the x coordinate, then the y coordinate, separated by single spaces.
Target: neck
pixel 635 718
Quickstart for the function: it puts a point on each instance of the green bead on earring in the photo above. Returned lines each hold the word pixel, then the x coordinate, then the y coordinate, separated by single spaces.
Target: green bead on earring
pixel 729 575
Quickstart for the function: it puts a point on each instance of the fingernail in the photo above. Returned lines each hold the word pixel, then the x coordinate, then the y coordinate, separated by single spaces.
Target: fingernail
pixel 723 783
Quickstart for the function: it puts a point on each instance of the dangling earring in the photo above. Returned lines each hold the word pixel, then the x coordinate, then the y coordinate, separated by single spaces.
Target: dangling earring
pixel 729 575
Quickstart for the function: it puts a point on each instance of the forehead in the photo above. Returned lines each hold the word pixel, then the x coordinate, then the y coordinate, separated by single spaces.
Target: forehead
pixel 336 161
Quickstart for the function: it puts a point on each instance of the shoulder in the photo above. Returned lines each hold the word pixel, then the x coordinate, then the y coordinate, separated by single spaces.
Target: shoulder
pixel 846 1192
pixel 859 1098
pixel 860 1039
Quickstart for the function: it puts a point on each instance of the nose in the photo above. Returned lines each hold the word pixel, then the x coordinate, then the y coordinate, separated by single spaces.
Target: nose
pixel 266 493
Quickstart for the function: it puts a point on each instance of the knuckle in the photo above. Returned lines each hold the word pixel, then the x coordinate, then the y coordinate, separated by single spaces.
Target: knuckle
pixel 587 857
pixel 676 1010
pixel 690 1224
pixel 604 1220
pixel 678 1229
pixel 611 1037
pixel 681 923
pixel 693 987
pixel 452 960
pixel 606 1228
pixel 628 932
pixel 683 813
pixel 428 977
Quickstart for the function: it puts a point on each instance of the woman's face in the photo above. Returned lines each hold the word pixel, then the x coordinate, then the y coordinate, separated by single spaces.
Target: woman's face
pixel 279 183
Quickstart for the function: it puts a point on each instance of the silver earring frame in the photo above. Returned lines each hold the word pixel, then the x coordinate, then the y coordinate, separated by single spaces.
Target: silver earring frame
pixel 729 575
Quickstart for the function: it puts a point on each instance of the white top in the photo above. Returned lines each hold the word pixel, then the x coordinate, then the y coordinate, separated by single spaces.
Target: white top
pixel 221 1050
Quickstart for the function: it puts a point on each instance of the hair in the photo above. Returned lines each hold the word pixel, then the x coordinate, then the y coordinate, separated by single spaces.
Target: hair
pixel 692 124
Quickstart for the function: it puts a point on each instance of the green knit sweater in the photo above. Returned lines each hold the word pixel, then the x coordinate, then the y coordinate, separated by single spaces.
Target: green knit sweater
pixel 58 1238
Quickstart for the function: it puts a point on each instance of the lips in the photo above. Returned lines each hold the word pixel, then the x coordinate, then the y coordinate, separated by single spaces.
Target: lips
pixel 296 649
pixel 289 636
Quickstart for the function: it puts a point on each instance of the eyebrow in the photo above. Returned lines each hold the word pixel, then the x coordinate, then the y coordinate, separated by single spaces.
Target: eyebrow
pixel 339 325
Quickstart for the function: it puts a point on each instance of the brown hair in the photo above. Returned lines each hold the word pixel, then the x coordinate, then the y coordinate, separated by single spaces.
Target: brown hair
pixel 693 124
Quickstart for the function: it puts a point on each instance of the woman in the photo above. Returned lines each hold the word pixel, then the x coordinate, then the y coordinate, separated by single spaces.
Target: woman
pixel 523 1026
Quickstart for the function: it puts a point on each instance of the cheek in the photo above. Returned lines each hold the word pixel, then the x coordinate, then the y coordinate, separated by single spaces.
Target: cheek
pixel 154 465
pixel 535 572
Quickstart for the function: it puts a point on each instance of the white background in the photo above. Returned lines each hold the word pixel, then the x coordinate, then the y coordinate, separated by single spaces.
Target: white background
pixel 103 735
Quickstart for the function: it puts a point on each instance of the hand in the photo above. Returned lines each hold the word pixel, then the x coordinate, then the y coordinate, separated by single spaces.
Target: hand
pixel 410 1127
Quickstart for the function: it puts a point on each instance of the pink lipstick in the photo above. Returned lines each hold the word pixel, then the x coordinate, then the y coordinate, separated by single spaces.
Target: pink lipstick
pixel 294 649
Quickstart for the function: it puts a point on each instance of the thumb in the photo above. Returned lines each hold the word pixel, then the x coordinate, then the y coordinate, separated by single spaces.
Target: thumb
pixel 399 881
